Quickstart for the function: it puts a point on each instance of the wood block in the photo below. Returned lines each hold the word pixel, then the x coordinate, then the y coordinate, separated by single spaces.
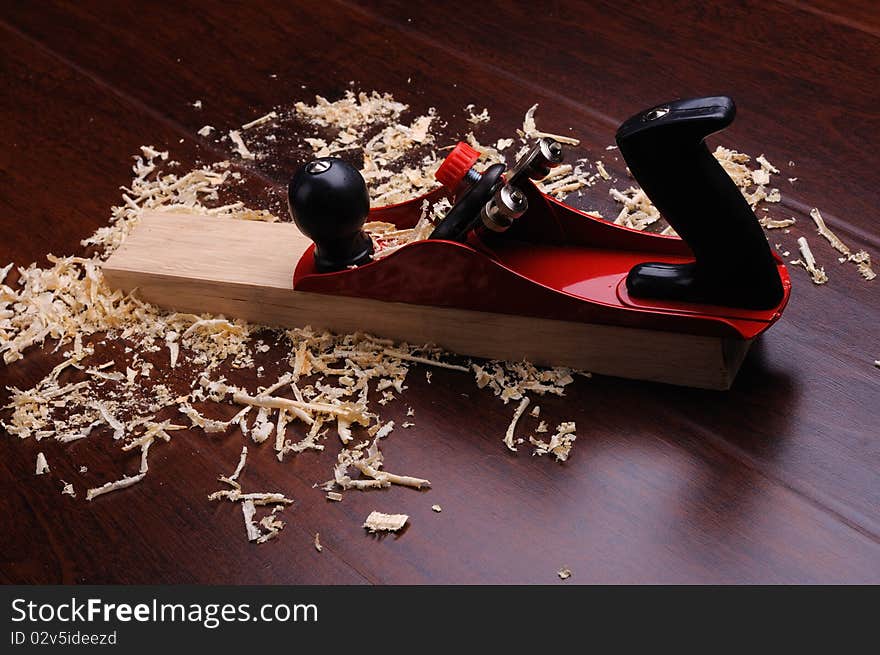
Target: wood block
pixel 244 269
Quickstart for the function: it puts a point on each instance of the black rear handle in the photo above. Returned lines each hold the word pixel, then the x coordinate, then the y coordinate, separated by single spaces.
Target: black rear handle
pixel 666 152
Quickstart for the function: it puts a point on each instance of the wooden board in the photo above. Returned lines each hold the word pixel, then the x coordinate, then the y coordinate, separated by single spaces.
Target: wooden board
pixel 244 269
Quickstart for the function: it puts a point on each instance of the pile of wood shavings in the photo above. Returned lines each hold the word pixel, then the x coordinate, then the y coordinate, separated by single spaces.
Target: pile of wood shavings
pixel 335 383
pixel 351 117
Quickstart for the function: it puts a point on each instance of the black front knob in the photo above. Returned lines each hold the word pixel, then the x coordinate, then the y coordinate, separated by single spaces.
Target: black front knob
pixel 329 203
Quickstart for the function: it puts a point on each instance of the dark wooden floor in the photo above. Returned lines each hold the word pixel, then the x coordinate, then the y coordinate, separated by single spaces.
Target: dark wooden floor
pixel 775 481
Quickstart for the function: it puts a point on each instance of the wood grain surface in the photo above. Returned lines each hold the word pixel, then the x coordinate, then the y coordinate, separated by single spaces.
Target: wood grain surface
pixel 774 481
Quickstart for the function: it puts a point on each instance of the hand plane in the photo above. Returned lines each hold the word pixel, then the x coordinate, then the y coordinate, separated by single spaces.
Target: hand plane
pixel 509 272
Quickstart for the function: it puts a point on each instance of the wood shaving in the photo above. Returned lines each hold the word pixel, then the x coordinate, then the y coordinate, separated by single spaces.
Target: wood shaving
pixel 352 111
pixel 117 425
pixel 387 238
pixel 436 508
pixel 638 211
pixel 173 348
pixel 531 131
pixel 123 483
pixel 808 262
pixel 242 460
pixel 248 509
pixel 42 464
pixel 761 177
pixel 205 131
pixel 240 147
pixel 397 354
pixel 262 120
pixel 476 119
pixel 766 165
pixel 776 224
pixel 564 573
pixel 566 179
pixel 145 449
pixel 862 259
pixel 318 545
pixel 512 380
pixel 335 496
pixel 207 424
pixel 832 238
pixel 511 429
pixel 67 489
pixel 560 443
pixel 369 461
pixel 259 498
pixel 269 526
pixel 488 154
pixel 379 522
pixel 752 183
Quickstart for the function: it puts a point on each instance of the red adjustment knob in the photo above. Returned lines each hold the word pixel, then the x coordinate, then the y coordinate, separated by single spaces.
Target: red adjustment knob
pixel 456 165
